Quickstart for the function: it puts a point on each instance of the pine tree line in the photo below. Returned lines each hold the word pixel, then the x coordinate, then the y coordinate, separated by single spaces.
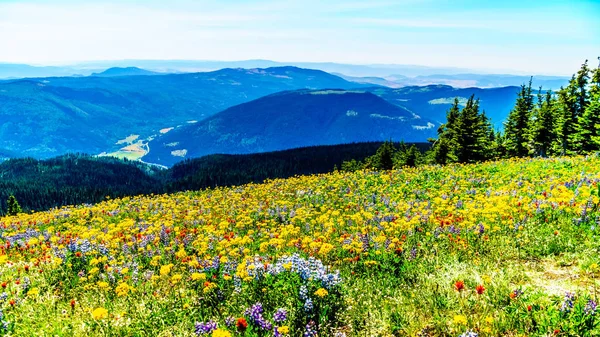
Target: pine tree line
pixel 545 124
pixel 541 124
pixel 563 123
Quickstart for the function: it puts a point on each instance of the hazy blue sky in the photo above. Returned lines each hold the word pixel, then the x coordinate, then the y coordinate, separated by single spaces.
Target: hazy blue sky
pixel 546 36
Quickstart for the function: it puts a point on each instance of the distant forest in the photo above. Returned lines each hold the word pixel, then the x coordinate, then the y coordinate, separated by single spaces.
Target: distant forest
pixel 79 178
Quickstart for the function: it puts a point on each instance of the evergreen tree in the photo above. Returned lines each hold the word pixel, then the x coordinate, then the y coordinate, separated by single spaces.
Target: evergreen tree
pixel 473 138
pixel 567 117
pixel 543 125
pixel 580 139
pixel 408 156
pixel 13 206
pixel 443 150
pixel 588 126
pixel 383 158
pixel 517 125
pixel 442 153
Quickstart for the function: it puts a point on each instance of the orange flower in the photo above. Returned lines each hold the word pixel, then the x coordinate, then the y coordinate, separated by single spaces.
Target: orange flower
pixel 459 285
pixel 480 289
pixel 241 324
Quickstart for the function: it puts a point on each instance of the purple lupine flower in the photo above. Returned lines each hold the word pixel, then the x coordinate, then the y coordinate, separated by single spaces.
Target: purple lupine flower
pixel 480 228
pixel 454 230
pixel 469 334
pixel 311 330
pixel 590 307
pixel 567 304
pixel 280 315
pixel 255 310
pixel 413 253
pixel 206 328
pixel 230 321
pixel 254 313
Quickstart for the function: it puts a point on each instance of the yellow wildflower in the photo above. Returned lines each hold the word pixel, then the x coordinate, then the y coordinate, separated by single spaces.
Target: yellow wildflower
pixel 99 313
pixel 321 292
pixel 221 333
pixel 460 319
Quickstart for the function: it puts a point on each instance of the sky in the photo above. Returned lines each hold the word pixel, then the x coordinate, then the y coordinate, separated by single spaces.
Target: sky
pixel 537 36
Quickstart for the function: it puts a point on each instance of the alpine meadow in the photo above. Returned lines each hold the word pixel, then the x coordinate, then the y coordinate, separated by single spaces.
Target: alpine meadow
pixel 259 168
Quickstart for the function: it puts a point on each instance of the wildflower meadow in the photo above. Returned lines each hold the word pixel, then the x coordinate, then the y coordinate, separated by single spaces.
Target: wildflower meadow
pixel 504 248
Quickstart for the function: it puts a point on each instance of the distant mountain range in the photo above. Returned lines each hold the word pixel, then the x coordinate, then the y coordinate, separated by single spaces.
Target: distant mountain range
pixel 462 80
pixel 121 112
pixel 45 117
pixel 391 75
pixel 293 119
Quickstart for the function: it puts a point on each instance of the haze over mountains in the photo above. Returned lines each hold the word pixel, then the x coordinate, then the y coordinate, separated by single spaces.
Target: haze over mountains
pixel 393 75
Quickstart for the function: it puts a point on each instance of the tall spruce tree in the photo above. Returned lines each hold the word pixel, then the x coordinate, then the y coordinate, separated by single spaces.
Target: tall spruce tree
pixel 473 138
pixel 543 125
pixel 588 126
pixel 580 139
pixel 566 126
pixel 445 146
pixel 517 125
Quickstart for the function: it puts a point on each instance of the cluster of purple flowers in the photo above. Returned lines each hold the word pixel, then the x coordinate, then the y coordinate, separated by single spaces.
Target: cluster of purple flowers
pixel 255 315
pixel 206 328
pixel 590 307
pixel 567 304
pixel 280 316
pixel 310 330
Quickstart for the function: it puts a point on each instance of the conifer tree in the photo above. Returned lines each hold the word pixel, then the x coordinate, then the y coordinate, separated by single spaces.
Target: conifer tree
pixel 472 140
pixel 383 158
pixel 580 139
pixel 517 125
pixel 543 125
pixel 13 206
pixel 588 126
pixel 567 117
pixel 443 150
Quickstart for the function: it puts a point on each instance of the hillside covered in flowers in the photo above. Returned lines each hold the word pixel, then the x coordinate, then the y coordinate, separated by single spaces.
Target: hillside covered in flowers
pixel 506 248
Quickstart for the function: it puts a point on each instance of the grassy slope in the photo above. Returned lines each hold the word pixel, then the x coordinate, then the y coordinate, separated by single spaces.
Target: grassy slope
pixel 403 241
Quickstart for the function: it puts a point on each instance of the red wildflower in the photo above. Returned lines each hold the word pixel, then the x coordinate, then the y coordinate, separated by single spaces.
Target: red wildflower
pixel 72 304
pixel 26 267
pixel 480 289
pixel 529 308
pixel 459 285
pixel 78 254
pixel 241 324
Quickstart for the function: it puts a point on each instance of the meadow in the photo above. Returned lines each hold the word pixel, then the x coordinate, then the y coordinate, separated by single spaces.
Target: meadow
pixel 504 248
